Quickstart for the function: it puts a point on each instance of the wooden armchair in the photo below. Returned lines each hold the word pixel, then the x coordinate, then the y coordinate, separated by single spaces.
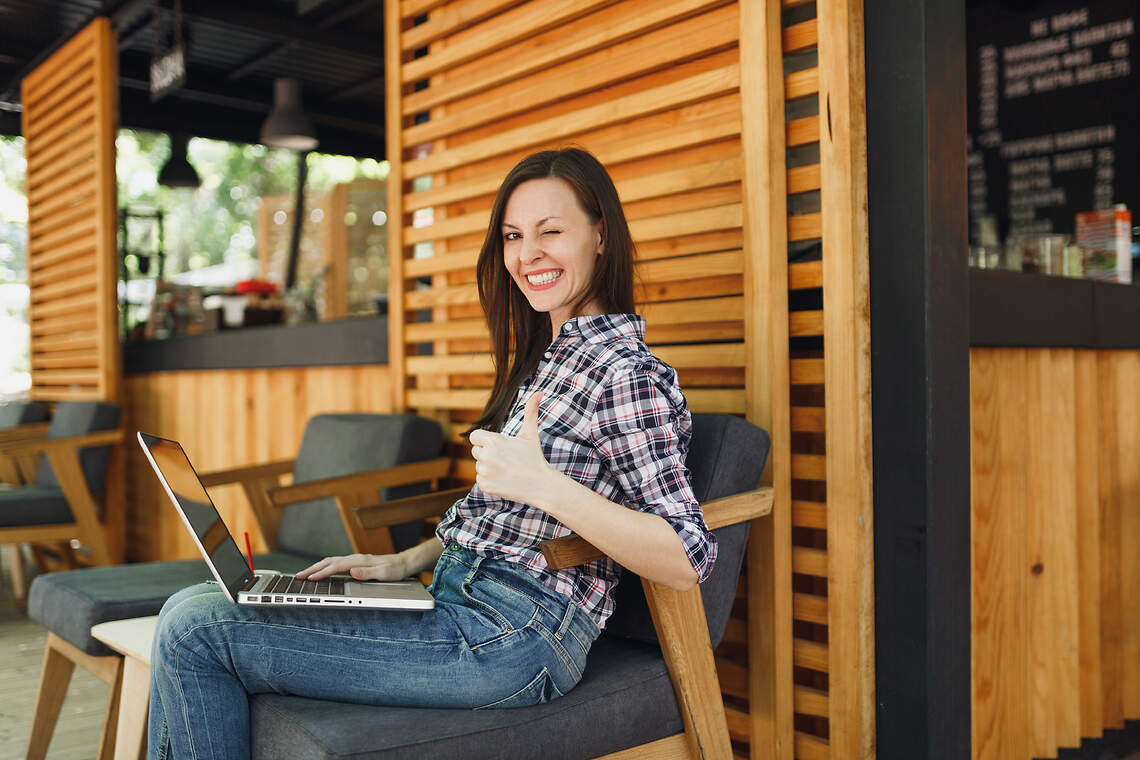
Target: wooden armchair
pixel 60 501
pixel 650 689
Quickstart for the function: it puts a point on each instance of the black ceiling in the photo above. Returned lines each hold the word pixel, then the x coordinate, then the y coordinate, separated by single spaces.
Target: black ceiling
pixel 236 48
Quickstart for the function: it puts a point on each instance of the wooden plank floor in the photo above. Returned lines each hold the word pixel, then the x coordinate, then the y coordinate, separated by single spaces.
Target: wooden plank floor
pixel 21 659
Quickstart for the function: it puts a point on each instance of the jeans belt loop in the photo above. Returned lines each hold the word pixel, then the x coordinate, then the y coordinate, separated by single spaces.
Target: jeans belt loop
pixel 567 620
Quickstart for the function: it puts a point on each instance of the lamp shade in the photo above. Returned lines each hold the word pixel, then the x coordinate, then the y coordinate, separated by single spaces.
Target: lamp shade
pixel 178 172
pixel 287 126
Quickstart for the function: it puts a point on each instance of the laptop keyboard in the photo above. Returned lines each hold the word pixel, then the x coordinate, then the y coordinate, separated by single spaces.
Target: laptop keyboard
pixel 291 584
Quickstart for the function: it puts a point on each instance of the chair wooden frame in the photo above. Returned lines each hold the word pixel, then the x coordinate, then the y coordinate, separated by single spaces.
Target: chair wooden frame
pixel 678 618
pixel 63 453
pixel 20 469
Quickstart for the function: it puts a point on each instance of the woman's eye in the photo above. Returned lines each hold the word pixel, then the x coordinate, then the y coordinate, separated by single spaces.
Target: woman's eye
pixel 551 232
pixel 511 236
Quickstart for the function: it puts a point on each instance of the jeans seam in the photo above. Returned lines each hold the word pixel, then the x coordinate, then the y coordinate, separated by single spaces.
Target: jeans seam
pixel 561 651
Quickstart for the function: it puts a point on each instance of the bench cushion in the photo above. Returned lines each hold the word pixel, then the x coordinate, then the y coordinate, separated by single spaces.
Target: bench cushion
pixel 70 602
pixel 584 723
pixel 32 505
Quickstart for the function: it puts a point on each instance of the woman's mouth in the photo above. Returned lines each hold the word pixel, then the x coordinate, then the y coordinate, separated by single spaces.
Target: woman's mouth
pixel 543 280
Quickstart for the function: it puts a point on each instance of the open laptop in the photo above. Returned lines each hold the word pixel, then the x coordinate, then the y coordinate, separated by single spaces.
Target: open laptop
pixel 230 567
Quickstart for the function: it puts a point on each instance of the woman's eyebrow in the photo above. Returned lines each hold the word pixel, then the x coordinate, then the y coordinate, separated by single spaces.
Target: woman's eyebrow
pixel 539 223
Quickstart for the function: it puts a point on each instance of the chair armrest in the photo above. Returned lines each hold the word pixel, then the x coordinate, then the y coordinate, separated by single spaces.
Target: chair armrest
pixel 24 433
pixel 405 510
pixel 248 472
pixel 568 551
pixel 400 475
pixel 72 443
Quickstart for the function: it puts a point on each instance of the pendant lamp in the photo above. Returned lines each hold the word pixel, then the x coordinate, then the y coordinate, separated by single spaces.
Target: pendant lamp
pixel 287 126
pixel 178 172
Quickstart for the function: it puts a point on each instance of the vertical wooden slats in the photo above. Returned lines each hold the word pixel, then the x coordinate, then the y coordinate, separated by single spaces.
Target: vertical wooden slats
pixel 1055 484
pixel 769 568
pixel 69 121
pixel 847 390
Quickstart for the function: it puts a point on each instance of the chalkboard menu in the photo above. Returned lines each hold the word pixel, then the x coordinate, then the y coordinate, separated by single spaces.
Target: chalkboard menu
pixel 1052 112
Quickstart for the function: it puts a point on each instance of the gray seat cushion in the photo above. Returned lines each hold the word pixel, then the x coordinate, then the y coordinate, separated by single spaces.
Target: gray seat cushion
pixel 70 602
pixel 16 413
pixel 584 723
pixel 342 444
pixel 76 418
pixel 726 457
pixel 32 505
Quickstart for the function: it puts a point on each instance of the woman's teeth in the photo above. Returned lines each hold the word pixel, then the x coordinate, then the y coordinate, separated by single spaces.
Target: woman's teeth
pixel 544 278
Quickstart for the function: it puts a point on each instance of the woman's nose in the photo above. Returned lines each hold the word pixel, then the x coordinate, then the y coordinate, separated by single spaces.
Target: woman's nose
pixel 531 251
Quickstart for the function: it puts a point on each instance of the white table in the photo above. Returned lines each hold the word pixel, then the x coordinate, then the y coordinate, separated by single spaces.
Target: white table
pixel 131 638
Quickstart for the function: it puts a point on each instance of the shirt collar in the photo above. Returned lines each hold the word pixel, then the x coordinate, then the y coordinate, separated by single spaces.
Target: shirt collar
pixel 602 328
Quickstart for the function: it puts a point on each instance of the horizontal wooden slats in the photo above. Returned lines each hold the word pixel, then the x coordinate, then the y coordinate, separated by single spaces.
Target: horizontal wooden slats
pixel 803 179
pixel 810 701
pixel 800 36
pixel 806 371
pixel 506 28
pixel 809 561
pixel 810 608
pixel 807 274
pixel 808 514
pixel 643 54
pixel 451 19
pixel 808 747
pixel 801 84
pixel 705 85
pixel 805 323
pixel 810 654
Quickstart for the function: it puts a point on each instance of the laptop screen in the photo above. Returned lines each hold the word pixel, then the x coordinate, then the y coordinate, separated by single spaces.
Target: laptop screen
pixel 182 481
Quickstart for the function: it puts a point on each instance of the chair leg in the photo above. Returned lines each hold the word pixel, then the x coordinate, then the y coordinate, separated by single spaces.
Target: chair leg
pixel 60 659
pixel 54 680
pixel 111 716
pixel 16 567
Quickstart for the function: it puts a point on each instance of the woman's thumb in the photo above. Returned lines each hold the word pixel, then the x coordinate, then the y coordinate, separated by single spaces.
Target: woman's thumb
pixel 530 416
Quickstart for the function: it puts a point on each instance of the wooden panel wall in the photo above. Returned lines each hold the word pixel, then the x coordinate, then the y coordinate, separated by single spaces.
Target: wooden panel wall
pixel 69 122
pixel 228 418
pixel 1055 462
pixel 707 113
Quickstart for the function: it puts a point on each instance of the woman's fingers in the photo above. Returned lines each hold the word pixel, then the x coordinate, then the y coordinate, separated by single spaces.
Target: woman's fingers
pixel 386 568
pixel 332 565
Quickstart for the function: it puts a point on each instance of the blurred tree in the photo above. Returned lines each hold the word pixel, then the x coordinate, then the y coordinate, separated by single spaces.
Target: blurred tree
pixel 217 222
pixel 13 211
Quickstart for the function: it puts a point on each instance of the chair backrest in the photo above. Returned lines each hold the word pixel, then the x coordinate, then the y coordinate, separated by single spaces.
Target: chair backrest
pixel 16 413
pixel 344 444
pixel 726 457
pixel 77 418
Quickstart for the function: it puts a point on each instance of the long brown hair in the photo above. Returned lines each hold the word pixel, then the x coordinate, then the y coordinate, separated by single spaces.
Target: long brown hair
pixel 519 334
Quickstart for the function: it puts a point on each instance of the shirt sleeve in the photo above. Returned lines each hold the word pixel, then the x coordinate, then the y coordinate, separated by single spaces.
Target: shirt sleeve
pixel 642 427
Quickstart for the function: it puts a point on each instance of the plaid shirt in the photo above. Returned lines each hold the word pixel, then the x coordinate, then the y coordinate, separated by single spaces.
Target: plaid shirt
pixel 613 418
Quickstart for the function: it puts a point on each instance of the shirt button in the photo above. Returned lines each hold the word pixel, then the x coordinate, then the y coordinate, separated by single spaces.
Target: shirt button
pixel 547 355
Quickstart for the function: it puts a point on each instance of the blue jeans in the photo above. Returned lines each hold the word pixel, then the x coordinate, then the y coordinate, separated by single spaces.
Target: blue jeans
pixel 497 638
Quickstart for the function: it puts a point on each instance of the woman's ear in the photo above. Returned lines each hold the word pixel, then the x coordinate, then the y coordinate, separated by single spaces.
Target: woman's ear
pixel 600 238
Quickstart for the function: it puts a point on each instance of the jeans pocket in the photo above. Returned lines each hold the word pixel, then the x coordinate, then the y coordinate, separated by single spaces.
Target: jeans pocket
pixel 540 689
pixel 491 617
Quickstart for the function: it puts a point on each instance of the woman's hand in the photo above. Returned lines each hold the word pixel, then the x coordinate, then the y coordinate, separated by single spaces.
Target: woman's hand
pixel 363 567
pixel 513 467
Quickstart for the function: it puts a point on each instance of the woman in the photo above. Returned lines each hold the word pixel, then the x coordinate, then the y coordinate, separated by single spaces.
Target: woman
pixel 592 436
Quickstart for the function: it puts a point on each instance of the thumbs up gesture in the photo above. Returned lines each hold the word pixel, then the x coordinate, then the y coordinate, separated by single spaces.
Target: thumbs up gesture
pixel 513 467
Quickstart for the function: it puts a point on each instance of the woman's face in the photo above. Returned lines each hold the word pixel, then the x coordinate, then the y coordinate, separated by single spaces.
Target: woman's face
pixel 550 247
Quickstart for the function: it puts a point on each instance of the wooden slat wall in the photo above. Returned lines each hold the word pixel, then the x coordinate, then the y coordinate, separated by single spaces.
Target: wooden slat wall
pixel 707 113
pixel 69 122
pixel 1055 462
pixel 229 418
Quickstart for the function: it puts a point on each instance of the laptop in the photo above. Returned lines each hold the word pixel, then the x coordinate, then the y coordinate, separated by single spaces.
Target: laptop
pixel 232 570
